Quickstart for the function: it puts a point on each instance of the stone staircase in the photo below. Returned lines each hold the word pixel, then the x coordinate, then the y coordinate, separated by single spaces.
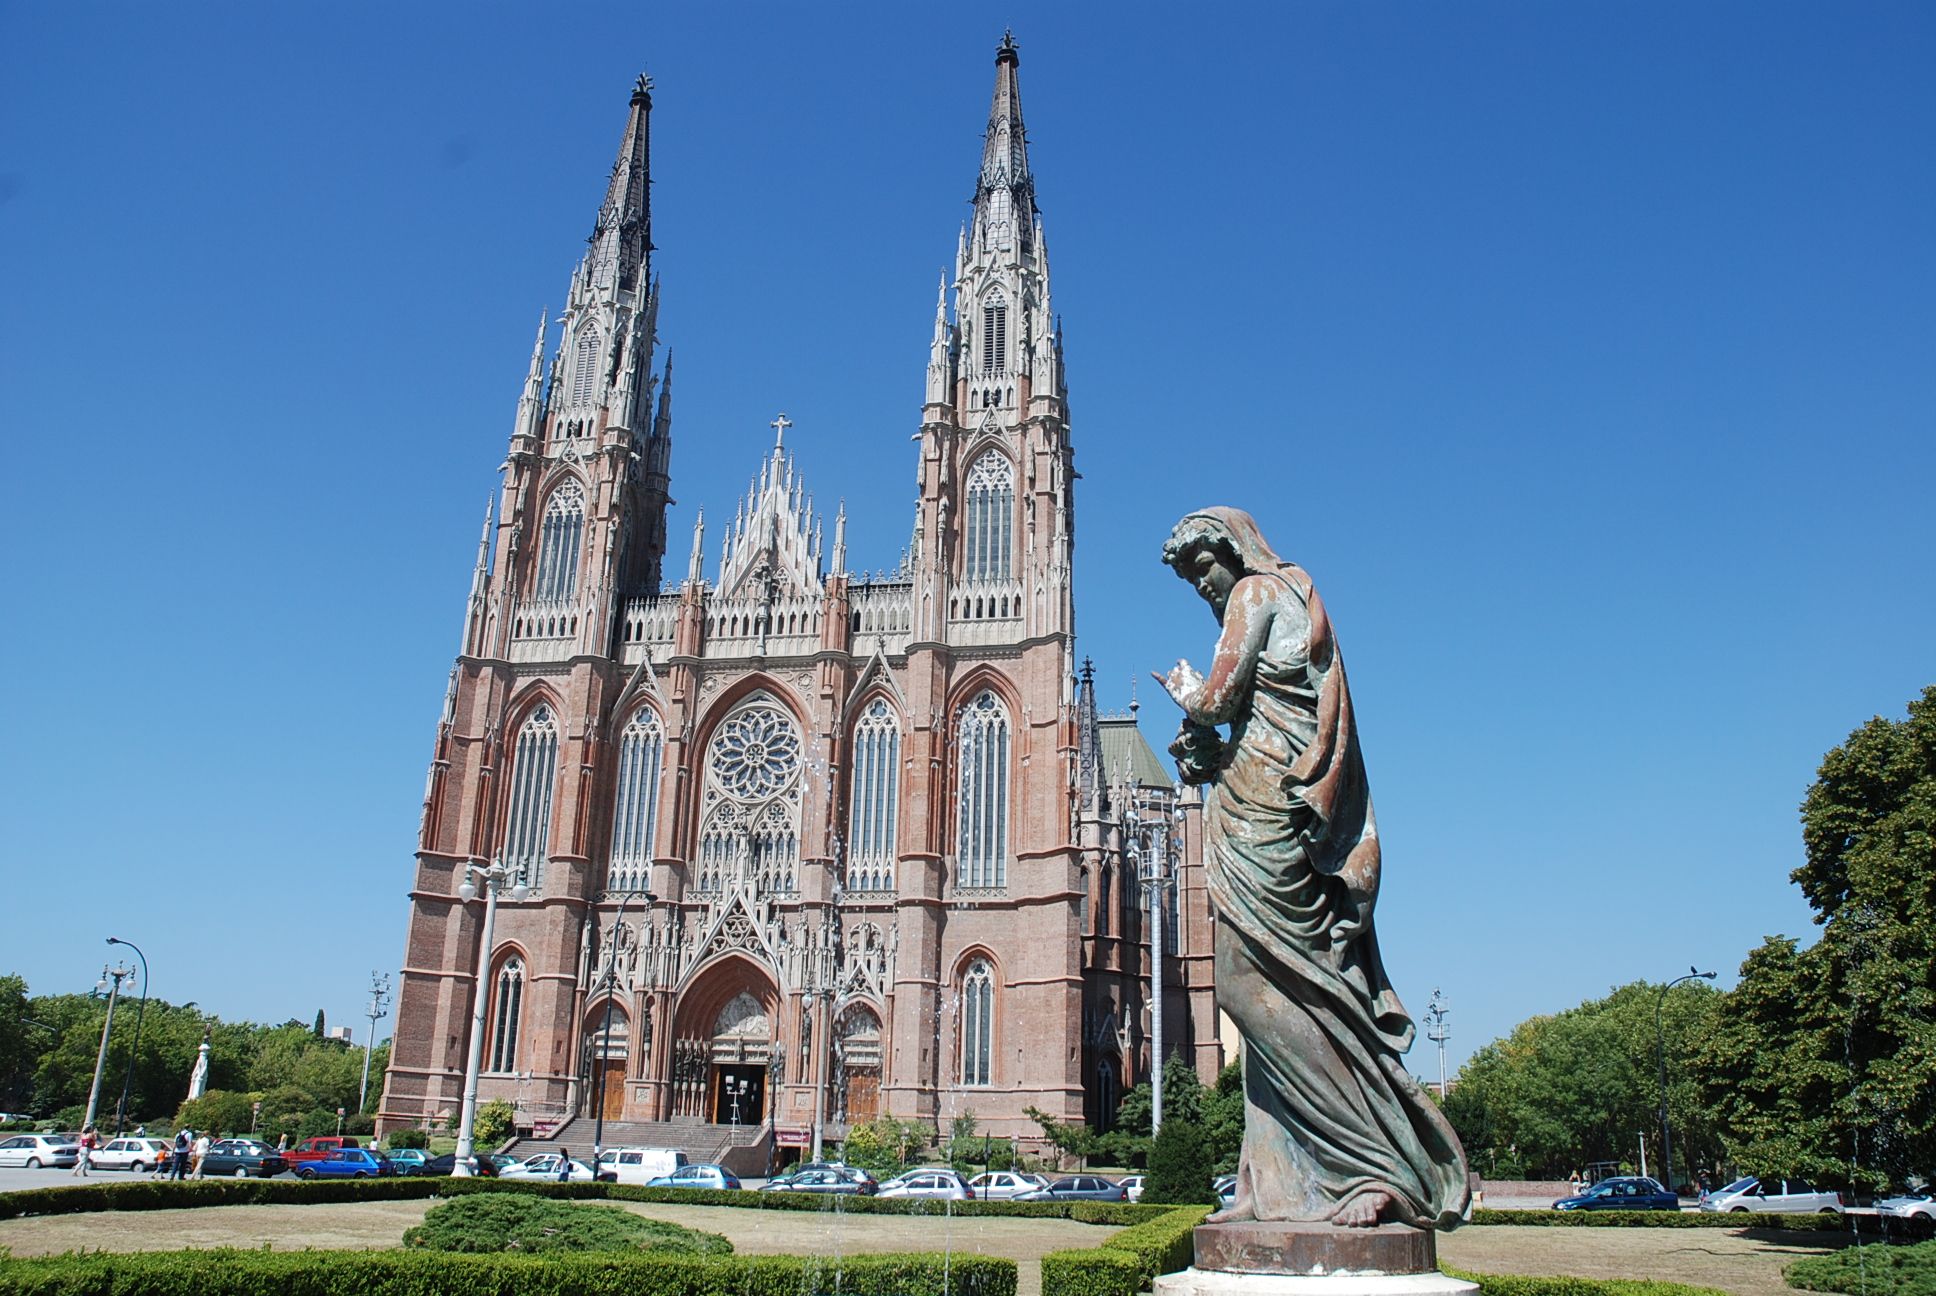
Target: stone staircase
pixel 746 1150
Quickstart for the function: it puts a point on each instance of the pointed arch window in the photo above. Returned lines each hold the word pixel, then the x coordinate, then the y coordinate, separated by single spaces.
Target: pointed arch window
pixel 978 1024
pixel 584 368
pixel 562 536
pixel 641 760
pixel 988 550
pixel 507 1003
pixel 981 838
pixel 871 821
pixel 534 772
pixel 994 335
pixel 752 801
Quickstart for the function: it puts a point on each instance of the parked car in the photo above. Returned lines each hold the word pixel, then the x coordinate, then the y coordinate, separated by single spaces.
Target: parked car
pixel 409 1161
pixel 242 1158
pixel 1780 1196
pixel 934 1183
pixel 1000 1185
pixel 347 1163
pixel 1133 1186
pixel 1225 1186
pixel 637 1165
pixel 1908 1203
pixel 1625 1193
pixel 487 1164
pixel 715 1177
pixel 320 1148
pixel 545 1165
pixel 1083 1187
pixel 828 1179
pixel 136 1154
pixel 37 1150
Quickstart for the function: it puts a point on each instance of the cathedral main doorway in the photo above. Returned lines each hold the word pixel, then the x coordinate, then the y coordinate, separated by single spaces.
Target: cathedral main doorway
pixel 739 1094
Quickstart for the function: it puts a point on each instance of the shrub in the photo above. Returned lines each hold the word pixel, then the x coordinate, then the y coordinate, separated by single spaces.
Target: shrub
pixel 1179 1164
pixel 487 1222
pixel 1522 1285
pixel 1128 1261
pixel 1877 1270
pixel 409 1138
pixel 430 1273
pixel 492 1124
pixel 1090 1273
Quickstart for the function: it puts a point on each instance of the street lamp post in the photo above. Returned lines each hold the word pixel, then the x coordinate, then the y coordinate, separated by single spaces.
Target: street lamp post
pixel 140 1010
pixel 379 1003
pixel 495 877
pixel 605 982
pixel 112 979
pixel 1438 1032
pixel 1660 1047
pixel 1148 843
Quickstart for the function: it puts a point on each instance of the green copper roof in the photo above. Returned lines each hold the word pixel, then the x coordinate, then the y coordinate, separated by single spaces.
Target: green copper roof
pixel 1123 747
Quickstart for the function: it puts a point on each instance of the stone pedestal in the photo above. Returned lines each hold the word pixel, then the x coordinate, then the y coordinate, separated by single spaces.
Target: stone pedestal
pixel 1281 1259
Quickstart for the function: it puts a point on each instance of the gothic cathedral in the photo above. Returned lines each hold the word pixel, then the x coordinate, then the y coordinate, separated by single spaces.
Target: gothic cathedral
pixel 796 848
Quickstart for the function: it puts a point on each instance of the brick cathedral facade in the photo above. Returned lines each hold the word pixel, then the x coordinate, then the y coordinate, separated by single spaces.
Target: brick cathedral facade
pixel 801 847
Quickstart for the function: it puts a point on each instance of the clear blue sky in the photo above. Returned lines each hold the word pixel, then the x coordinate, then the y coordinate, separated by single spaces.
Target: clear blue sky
pixel 1584 353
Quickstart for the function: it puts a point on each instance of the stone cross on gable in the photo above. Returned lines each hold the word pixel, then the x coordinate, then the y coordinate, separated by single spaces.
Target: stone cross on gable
pixel 779 426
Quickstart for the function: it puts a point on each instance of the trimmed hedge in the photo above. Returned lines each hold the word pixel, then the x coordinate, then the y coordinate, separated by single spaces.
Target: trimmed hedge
pixel 409 1273
pixel 1128 1261
pixel 1829 1223
pixel 1521 1285
pixel 169 1195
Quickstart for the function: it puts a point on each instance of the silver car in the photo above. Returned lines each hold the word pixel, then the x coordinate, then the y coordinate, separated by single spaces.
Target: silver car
pixel 1000 1185
pixel 136 1154
pixel 37 1150
pixel 1776 1196
pixel 1908 1203
pixel 935 1183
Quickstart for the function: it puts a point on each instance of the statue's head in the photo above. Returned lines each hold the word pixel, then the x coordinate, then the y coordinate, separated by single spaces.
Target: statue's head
pixel 1214 548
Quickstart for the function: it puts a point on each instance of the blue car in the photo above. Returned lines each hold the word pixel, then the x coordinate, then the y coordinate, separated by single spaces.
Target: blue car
pixel 348 1163
pixel 1631 1193
pixel 715 1177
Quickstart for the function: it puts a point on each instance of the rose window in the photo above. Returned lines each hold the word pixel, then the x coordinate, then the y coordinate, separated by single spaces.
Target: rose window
pixel 756 753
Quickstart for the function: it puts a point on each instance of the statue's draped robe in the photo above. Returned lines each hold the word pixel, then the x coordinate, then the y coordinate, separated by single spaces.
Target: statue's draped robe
pixel 1291 857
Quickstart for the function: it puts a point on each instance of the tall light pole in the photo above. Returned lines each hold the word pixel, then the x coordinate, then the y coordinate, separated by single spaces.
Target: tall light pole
pixel 495 876
pixel 111 979
pixel 379 1007
pixel 604 982
pixel 1438 1032
pixel 140 1010
pixel 1660 1047
pixel 1148 840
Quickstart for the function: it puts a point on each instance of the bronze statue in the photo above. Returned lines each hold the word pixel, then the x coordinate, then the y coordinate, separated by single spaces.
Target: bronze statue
pixel 1335 1128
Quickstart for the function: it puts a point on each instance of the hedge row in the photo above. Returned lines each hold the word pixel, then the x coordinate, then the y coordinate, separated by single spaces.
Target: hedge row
pixel 1128 1261
pixel 409 1273
pixel 168 1195
pixel 1827 1223
pixel 1520 1285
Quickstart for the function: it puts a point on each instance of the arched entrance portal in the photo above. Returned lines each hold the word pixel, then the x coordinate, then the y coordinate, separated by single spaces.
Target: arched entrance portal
pixel 857 1066
pixel 724 1045
pixel 608 1039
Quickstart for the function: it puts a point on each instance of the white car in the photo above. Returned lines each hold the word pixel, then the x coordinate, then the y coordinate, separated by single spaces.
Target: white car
pixel 1778 1196
pixel 545 1165
pixel 1000 1185
pixel 1133 1185
pixel 136 1154
pixel 638 1165
pixel 935 1183
pixel 1910 1203
pixel 37 1150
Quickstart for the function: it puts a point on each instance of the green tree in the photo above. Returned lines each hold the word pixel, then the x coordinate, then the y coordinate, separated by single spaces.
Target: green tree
pixel 218 1111
pixel 1826 1057
pixel 1223 1120
pixel 491 1126
pixel 1179 1167
pixel 18 1045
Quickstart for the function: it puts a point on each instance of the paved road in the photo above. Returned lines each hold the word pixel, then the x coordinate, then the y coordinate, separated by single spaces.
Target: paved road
pixel 13 1179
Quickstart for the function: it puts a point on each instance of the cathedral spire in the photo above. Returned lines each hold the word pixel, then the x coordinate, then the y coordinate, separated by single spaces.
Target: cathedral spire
pixel 622 240
pixel 1004 154
pixel 696 572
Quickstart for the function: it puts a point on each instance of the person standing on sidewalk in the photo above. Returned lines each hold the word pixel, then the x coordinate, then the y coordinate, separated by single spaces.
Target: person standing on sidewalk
pixel 183 1146
pixel 201 1151
pixel 87 1142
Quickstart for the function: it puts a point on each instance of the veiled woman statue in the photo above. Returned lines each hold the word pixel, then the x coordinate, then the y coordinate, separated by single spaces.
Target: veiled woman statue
pixel 1335 1128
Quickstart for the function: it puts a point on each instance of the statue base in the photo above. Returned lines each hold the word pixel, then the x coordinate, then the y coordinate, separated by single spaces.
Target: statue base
pixel 1287 1259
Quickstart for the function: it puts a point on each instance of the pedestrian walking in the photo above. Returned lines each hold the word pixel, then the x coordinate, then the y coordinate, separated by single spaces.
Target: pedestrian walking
pixel 178 1168
pixel 87 1142
pixel 564 1165
pixel 282 1143
pixel 200 1151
